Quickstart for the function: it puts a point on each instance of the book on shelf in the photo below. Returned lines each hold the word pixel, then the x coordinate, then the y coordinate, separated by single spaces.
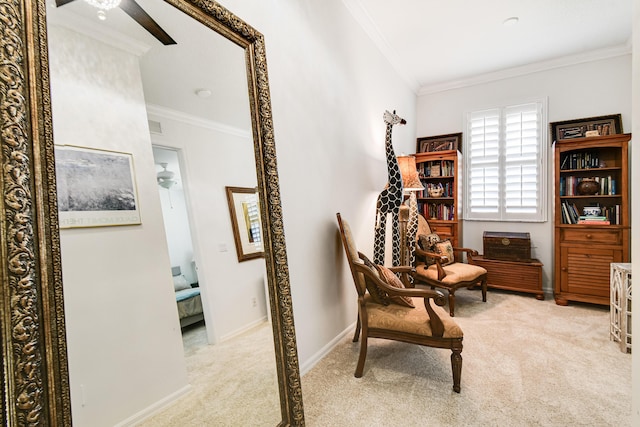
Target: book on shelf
pixel 592 218
pixel 569 185
pixel 581 160
pixel 594 222
pixel 570 213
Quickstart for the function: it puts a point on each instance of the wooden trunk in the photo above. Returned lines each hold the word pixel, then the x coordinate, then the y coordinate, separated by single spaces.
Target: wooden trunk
pixel 514 276
pixel 506 246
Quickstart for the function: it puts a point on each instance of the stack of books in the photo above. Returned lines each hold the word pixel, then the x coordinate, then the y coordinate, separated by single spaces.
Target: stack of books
pixel 593 220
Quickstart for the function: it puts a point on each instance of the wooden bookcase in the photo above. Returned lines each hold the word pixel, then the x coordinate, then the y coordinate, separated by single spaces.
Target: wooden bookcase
pixel 584 252
pixel 441 168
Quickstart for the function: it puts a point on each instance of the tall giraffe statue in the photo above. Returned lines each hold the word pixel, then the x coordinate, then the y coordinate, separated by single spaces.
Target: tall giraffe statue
pixel 390 199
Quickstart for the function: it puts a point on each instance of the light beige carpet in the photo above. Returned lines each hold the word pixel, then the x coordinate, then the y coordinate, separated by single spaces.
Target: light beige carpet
pixel 525 363
pixel 233 383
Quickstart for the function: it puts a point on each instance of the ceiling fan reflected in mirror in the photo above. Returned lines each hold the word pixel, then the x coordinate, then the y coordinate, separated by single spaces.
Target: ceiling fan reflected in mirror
pixel 131 8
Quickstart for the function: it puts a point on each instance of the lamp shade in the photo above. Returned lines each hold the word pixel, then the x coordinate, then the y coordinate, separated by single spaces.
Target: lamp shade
pixel 410 178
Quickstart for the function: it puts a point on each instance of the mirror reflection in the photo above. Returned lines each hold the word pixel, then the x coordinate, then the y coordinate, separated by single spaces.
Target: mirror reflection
pixel 117 87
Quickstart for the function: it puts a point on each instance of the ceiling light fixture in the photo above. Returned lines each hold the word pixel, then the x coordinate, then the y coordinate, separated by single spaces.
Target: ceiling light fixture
pixel 510 22
pixel 103 6
pixel 165 177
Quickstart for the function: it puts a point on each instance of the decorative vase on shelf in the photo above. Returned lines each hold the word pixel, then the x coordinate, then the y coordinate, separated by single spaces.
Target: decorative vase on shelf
pixel 588 187
pixel 591 211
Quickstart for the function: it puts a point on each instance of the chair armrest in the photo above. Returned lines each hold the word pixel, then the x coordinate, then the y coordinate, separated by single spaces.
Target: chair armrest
pixel 472 252
pixel 426 254
pixel 439 259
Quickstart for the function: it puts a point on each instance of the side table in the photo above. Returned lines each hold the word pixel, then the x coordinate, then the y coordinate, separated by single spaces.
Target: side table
pixel 620 287
pixel 513 275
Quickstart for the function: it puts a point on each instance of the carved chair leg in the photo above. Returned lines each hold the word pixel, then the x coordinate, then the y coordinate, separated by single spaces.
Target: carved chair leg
pixel 356 336
pixel 456 367
pixel 452 301
pixel 484 290
pixel 363 356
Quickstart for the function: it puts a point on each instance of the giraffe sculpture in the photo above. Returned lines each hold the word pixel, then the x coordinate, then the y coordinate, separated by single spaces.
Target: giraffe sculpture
pixel 390 199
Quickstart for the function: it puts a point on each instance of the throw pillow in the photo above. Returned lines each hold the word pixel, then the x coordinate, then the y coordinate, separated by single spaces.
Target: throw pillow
pixel 428 241
pixel 444 248
pixel 180 283
pixel 391 279
pixel 376 293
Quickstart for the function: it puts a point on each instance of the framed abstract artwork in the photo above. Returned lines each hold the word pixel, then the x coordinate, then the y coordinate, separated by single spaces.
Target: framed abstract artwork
pixel 96 188
pixel 590 126
pixel 452 141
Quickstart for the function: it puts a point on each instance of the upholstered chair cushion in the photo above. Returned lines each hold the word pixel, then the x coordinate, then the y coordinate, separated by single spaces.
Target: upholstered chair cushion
pixel 391 279
pixel 445 248
pixel 455 273
pixel 412 321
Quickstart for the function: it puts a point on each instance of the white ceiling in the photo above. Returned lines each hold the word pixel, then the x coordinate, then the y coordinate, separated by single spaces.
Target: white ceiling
pixel 433 44
pixel 436 44
pixel 171 75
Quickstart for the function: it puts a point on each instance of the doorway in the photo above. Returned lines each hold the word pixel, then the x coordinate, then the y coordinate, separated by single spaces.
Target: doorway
pixel 178 230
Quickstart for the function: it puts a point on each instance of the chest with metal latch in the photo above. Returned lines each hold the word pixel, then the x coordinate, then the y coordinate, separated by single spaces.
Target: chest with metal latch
pixel 506 246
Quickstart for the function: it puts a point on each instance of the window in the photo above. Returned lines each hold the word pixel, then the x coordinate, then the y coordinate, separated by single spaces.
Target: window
pixel 506 155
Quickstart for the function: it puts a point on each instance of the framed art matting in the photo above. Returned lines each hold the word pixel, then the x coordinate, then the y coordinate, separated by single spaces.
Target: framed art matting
pixel 451 141
pixel 96 188
pixel 590 126
pixel 244 209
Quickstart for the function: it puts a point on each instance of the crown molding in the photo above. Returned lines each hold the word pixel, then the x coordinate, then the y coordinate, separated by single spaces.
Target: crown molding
pixel 371 29
pixel 189 119
pixel 365 21
pixel 536 67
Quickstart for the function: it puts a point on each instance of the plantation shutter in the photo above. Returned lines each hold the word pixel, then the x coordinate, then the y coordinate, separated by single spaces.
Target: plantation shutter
pixel 504 161
pixel 521 164
pixel 484 164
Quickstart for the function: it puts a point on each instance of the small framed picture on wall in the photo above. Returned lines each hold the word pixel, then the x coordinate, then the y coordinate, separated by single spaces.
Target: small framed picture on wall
pixel 448 142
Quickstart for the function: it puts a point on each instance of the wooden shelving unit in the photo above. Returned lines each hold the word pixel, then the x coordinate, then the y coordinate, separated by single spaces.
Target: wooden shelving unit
pixel 584 252
pixel 441 169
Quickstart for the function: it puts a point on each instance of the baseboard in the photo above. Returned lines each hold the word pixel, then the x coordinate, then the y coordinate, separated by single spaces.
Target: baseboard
pixel 153 409
pixel 243 329
pixel 309 364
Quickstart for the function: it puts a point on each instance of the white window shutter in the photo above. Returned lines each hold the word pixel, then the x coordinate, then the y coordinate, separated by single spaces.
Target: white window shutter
pixel 504 160
pixel 484 156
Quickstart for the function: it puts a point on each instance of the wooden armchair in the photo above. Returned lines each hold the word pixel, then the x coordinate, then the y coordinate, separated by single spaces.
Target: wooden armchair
pixel 380 317
pixel 446 269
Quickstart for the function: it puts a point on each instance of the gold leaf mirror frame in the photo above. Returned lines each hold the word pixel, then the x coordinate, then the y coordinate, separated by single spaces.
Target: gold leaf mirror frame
pixel 35 376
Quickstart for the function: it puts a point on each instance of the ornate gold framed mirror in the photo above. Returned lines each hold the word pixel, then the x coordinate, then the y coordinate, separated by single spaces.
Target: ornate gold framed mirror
pixel 35 378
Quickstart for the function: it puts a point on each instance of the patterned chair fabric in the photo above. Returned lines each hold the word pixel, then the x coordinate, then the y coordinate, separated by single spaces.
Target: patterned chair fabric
pixel 424 324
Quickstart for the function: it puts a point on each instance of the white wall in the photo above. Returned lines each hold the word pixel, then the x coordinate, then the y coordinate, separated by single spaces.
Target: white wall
pixel 124 342
pixel 329 89
pixel 591 89
pixel 210 160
